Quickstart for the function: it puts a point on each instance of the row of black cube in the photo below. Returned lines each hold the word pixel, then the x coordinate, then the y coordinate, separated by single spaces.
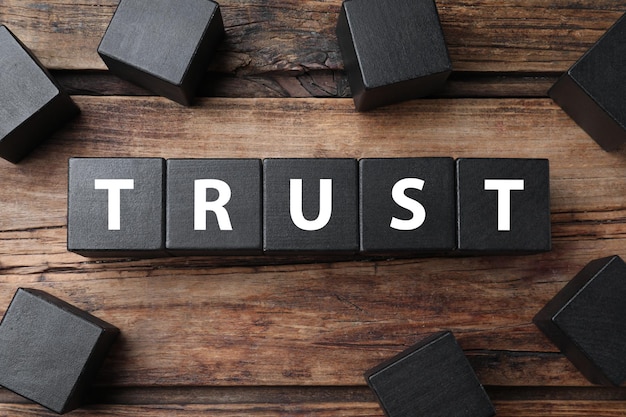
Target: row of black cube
pixel 50 351
pixel 150 206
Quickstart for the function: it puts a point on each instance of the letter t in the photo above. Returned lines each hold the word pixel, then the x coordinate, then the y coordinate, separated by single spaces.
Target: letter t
pixel 504 188
pixel 114 187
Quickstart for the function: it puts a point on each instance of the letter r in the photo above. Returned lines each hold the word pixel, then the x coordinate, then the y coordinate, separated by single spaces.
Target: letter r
pixel 201 206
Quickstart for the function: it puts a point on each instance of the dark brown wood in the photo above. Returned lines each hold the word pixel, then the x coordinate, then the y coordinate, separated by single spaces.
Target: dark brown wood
pixel 369 409
pixel 292 335
pixel 297 36
pixel 285 320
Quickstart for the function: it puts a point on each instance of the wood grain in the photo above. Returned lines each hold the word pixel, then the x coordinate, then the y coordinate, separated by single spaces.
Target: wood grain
pixel 292 335
pixel 297 36
pixel 313 321
pixel 371 409
pixel 345 401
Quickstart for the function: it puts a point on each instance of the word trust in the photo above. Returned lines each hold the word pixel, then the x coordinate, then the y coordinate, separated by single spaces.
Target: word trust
pixel 156 207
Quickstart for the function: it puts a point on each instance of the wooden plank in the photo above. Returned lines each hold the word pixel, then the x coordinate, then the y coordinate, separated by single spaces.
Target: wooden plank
pixel 178 410
pixel 302 320
pixel 370 409
pixel 311 394
pixel 345 401
pixel 308 325
pixel 294 36
pixel 560 408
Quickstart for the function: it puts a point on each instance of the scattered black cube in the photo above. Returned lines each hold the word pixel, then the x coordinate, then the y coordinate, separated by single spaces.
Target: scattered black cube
pixel 392 50
pixel 310 205
pixel 407 205
pixel 116 207
pixel 163 45
pixel 592 91
pixel 432 378
pixel 214 206
pixel 503 206
pixel 32 104
pixel 50 351
pixel 585 320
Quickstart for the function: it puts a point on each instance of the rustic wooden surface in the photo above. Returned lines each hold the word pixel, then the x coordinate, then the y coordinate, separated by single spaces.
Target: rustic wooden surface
pixel 290 335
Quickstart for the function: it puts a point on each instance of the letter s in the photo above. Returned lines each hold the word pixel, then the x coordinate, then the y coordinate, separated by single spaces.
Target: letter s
pixel 399 196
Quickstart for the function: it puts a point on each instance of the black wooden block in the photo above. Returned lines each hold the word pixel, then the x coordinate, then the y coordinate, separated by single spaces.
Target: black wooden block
pixel 310 205
pixel 592 91
pixel 163 45
pixel 432 378
pixel 407 204
pixel 32 104
pixel 50 351
pixel 392 50
pixel 586 320
pixel 116 206
pixel 213 206
pixel 503 205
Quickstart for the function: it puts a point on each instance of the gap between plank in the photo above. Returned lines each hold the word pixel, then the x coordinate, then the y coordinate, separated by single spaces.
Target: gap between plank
pixel 299 395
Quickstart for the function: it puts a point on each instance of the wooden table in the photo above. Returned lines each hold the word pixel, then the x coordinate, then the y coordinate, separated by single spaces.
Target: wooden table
pixel 292 335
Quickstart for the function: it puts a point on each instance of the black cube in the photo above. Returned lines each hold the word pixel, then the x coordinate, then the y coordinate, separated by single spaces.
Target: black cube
pixel 50 351
pixel 116 207
pixel 392 50
pixel 407 205
pixel 432 378
pixel 592 91
pixel 503 205
pixel 586 321
pixel 164 46
pixel 32 104
pixel 214 206
pixel 310 205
